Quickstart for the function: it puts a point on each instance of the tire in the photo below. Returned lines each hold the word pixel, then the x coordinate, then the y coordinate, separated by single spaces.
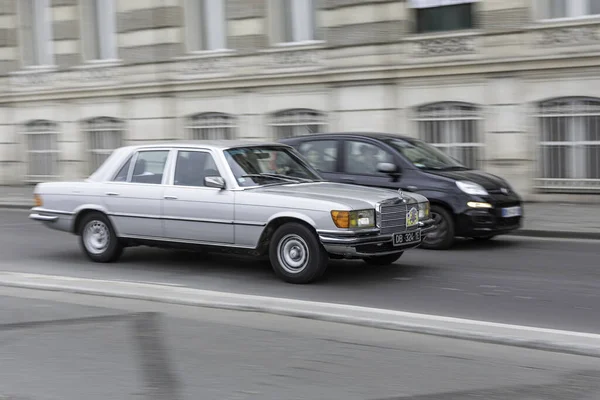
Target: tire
pixel 381 261
pixel 442 238
pixel 98 240
pixel 296 254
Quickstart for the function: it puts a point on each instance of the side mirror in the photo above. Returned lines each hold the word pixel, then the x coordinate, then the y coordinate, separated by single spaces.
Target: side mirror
pixel 387 168
pixel 214 182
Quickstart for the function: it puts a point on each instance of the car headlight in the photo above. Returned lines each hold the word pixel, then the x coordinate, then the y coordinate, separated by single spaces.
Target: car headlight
pixel 354 219
pixel 471 188
pixel 424 210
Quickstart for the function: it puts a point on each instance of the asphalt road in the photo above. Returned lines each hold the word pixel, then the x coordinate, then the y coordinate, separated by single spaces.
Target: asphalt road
pixel 67 346
pixel 537 282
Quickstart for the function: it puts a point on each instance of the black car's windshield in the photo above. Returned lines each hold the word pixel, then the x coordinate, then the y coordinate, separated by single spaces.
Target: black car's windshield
pixel 425 156
pixel 267 165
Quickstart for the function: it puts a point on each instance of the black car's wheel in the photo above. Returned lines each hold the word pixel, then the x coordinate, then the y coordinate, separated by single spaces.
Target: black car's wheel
pixel 296 254
pixel 442 237
pixel 383 260
pixel 98 239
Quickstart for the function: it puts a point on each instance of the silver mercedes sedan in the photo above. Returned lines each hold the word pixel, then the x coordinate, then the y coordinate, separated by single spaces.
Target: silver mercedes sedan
pixel 233 196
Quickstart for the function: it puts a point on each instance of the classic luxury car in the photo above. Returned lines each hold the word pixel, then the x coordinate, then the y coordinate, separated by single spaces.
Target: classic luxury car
pixel 233 196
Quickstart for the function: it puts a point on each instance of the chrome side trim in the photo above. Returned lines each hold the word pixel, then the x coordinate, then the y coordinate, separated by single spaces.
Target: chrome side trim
pixel 187 241
pixel 44 218
pixel 202 220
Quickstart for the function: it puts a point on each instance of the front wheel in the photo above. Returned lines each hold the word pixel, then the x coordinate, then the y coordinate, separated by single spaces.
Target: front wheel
pixel 296 254
pixel 98 239
pixel 383 260
pixel 442 237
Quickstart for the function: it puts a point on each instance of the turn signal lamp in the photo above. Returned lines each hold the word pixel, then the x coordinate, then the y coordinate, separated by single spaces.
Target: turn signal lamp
pixel 37 200
pixel 353 219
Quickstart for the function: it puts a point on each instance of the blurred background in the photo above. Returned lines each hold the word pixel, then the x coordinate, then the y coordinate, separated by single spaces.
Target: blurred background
pixel 510 87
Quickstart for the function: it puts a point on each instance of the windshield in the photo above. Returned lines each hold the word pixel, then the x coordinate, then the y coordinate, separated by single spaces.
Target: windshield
pixel 425 156
pixel 267 165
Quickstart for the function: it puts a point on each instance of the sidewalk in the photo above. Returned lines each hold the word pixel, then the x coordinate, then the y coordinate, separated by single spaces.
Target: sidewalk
pixel 560 220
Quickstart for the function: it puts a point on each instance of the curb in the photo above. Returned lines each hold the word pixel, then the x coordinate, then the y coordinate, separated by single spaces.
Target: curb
pixel 556 234
pixel 578 343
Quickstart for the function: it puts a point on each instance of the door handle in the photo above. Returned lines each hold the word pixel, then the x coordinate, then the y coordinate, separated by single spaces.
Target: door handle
pixel 348 180
pixel 411 188
pixel 171 197
pixel 112 193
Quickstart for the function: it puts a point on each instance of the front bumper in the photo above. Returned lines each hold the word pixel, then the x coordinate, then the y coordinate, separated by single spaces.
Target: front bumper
pixel 53 219
pixel 486 222
pixel 368 244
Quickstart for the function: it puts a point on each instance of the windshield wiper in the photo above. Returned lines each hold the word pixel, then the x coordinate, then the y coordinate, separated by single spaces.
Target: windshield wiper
pixel 272 176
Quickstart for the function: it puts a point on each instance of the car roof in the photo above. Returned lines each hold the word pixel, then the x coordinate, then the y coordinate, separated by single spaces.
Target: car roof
pixel 371 135
pixel 212 144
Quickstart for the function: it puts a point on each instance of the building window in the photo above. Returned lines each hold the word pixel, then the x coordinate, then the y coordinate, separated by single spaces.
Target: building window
pixel 211 126
pixel 42 150
pixel 297 122
pixel 36 32
pixel 570 144
pixel 454 129
pixel 99 29
pixel 103 135
pixel 554 9
pixel 295 21
pixel 443 15
pixel 206 25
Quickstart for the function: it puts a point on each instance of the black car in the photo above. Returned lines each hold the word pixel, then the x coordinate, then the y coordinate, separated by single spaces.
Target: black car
pixel 464 202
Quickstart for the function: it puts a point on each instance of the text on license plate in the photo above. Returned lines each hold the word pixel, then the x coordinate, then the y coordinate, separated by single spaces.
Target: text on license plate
pixel 408 237
pixel 511 212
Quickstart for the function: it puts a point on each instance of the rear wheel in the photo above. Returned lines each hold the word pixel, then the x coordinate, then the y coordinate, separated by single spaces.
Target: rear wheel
pixel 98 239
pixel 383 260
pixel 296 254
pixel 442 237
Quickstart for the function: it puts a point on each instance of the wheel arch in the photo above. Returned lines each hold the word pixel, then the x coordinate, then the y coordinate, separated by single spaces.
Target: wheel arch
pixel 84 210
pixel 281 219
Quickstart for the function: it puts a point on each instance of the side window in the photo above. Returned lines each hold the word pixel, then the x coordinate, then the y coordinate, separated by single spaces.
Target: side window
pixel 362 158
pixel 193 166
pixel 149 166
pixel 321 154
pixel 122 174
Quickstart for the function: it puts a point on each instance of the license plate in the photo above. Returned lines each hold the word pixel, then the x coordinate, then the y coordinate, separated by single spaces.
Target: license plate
pixel 406 238
pixel 511 212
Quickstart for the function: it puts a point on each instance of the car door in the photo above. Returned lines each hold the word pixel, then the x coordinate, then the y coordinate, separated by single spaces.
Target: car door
pixel 192 211
pixel 133 198
pixel 323 155
pixel 359 164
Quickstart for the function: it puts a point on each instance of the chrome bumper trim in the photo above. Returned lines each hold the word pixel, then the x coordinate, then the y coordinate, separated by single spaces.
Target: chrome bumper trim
pixel 44 218
pixel 341 243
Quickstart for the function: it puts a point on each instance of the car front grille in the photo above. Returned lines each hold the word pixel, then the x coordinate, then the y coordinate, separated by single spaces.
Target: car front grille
pixel 392 216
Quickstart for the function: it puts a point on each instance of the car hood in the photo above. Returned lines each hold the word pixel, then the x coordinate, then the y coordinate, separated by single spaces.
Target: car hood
pixel 488 181
pixel 354 196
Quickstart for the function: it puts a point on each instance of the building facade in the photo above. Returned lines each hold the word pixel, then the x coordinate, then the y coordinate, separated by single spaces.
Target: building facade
pixel 508 86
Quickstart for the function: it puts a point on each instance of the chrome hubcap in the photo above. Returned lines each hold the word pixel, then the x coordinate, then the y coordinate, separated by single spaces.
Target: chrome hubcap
pixel 292 253
pixel 96 237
